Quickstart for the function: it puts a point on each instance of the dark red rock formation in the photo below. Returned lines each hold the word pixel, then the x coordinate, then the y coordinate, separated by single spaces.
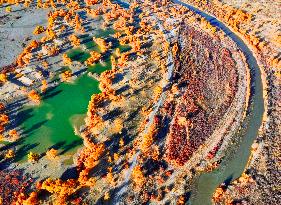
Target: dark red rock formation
pixel 207 75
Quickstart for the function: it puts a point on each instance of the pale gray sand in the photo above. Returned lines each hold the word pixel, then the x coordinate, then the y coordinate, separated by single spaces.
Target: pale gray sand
pixel 17 27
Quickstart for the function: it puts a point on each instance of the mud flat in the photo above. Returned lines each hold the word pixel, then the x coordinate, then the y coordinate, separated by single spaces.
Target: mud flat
pixel 16 28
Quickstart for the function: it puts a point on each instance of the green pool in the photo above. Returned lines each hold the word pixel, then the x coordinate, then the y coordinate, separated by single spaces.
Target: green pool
pixel 53 122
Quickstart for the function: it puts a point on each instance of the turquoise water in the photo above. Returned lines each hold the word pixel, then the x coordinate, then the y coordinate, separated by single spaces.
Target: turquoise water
pixel 52 124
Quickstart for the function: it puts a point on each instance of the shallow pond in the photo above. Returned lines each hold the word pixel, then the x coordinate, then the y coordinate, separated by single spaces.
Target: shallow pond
pixel 55 122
